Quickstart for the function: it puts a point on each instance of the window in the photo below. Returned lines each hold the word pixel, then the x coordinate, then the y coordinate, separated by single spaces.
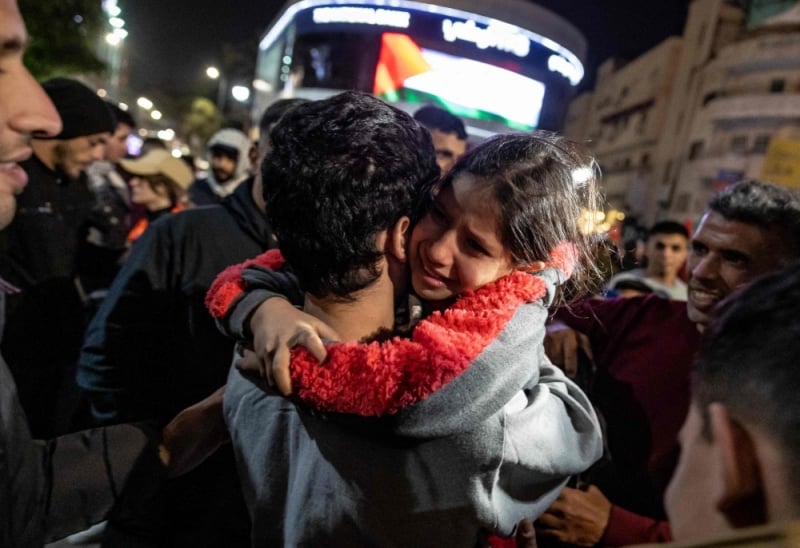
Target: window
pixel 645 162
pixel 710 96
pixel 695 149
pixel 761 143
pixel 739 144
pixel 777 85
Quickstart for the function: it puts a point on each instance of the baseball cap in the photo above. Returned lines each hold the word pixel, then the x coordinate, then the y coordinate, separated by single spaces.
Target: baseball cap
pixel 160 162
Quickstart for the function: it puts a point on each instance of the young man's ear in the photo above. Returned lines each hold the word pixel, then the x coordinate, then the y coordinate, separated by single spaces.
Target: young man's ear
pixel 742 500
pixel 398 238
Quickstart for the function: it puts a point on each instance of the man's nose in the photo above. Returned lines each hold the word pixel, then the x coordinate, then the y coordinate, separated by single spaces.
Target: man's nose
pixel 37 116
pixel 705 267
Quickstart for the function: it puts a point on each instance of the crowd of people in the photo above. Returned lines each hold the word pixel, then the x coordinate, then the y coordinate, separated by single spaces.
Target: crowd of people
pixel 425 348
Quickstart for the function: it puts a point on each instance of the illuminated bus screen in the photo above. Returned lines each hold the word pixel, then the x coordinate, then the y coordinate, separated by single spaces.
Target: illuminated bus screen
pixel 495 75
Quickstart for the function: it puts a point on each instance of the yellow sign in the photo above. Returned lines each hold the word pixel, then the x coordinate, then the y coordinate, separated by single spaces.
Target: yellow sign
pixel 782 163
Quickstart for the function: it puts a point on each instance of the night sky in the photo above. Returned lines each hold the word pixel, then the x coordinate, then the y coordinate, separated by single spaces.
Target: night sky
pixel 172 41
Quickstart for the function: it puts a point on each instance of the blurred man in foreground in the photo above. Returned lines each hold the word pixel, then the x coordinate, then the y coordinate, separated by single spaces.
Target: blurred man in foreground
pixel 49 489
pixel 740 445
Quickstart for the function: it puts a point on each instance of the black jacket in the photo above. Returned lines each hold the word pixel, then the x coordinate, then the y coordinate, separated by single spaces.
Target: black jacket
pixel 152 348
pixel 44 253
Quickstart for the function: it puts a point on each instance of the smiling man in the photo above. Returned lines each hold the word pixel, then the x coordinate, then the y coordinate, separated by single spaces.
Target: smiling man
pixel 24 108
pixel 644 348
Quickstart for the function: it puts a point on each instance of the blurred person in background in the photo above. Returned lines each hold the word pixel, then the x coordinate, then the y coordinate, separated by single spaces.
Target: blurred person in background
pixel 229 166
pixel 666 248
pixel 47 257
pixel 112 211
pixel 50 488
pixel 153 348
pixel 159 182
pixel 447 132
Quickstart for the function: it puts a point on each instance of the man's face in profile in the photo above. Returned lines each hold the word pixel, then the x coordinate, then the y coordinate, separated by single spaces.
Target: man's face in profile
pixel 24 110
pixel 725 255
pixel 449 148
pixel 117 145
pixel 691 497
pixel 74 156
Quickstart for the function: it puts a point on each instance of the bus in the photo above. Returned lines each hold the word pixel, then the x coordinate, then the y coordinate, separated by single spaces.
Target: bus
pixel 500 65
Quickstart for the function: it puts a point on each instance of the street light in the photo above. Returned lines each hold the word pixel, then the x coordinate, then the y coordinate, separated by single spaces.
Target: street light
pixel 145 103
pixel 240 93
pixel 114 39
pixel 222 85
pixel 156 115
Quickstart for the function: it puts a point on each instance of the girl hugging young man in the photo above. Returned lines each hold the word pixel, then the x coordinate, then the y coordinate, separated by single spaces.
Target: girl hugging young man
pixel 460 426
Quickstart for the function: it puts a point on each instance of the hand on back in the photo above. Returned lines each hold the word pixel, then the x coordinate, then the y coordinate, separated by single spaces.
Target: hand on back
pixel 277 327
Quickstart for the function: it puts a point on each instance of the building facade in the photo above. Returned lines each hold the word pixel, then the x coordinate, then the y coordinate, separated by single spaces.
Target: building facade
pixel 668 128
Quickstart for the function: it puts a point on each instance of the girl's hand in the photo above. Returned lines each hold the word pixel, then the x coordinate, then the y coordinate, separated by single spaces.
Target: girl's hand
pixel 277 327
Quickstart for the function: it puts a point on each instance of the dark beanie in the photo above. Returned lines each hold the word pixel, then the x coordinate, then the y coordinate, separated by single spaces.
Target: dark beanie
pixel 82 111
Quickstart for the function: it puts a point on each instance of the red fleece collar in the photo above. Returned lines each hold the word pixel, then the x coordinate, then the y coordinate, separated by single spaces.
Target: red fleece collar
pixel 378 378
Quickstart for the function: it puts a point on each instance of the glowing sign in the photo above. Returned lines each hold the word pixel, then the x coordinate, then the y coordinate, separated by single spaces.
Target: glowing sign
pixel 363 16
pixel 558 64
pixel 497 35
pixel 484 32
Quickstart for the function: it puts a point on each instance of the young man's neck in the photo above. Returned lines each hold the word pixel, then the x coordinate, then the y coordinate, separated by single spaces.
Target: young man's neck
pixel 370 312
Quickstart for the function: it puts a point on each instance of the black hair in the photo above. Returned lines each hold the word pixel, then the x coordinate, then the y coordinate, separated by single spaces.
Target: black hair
pixel 342 169
pixel 221 149
pixel 749 362
pixel 274 112
pixel 771 207
pixel 433 117
pixel 543 185
pixel 668 227
pixel 152 143
pixel 631 284
pixel 121 116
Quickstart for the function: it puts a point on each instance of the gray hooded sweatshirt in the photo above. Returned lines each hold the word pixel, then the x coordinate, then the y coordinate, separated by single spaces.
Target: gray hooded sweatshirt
pixel 489 448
